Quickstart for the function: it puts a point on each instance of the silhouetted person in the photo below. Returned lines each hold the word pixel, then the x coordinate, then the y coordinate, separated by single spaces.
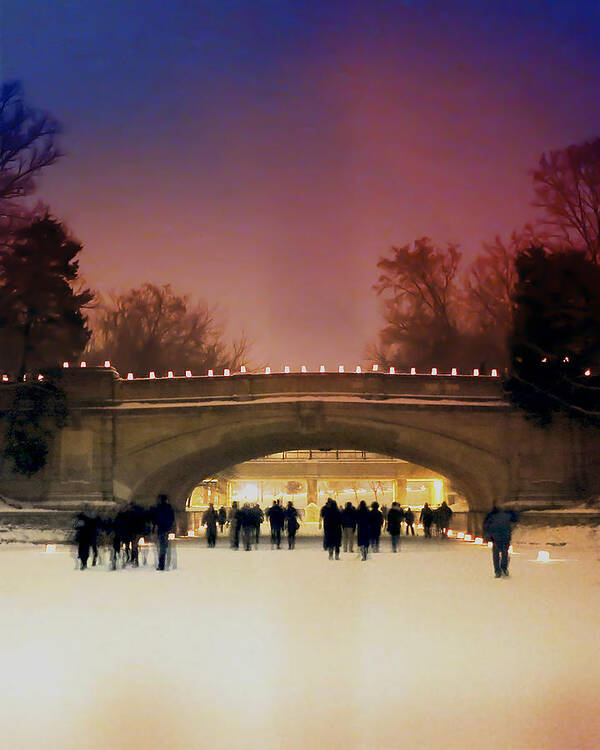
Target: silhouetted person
pixel 83 538
pixel 348 527
pixel 258 516
pixel 409 520
pixel 426 518
pixel 136 524
pixel 95 524
pixel 445 514
pixel 276 517
pixel 393 524
pixel 376 517
pixel 210 519
pixel 497 528
pixel 291 524
pixel 331 521
pixel 363 529
pixel 247 516
pixel 163 517
pixel 222 518
pixel 234 521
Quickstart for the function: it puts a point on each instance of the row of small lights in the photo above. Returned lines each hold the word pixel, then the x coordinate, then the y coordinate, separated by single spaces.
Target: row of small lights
pixel 286 370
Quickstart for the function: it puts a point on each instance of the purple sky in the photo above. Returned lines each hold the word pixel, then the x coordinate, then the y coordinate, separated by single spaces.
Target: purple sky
pixel 263 155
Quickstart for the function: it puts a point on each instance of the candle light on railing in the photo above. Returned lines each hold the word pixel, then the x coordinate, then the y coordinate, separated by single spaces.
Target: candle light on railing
pixel 210 373
pixel 227 372
pixel 434 371
pixel 286 369
pixel 322 368
pixel 375 368
pixel 303 368
pixel 83 364
pixel 494 373
pixel 454 371
pixel 107 363
pixel 475 372
pixel 341 368
pixel 152 375
pixel 358 369
pixel 129 376
pixel 392 370
pixel 65 365
pixel 413 370
pixel 188 373
pixel 243 369
pixel 170 374
pixel 267 370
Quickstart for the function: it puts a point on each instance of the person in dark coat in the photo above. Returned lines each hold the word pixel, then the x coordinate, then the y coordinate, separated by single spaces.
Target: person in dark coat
pixel 136 524
pixel 234 521
pixel 426 518
pixel 445 514
pixel 497 528
pixel 258 516
pixel 292 524
pixel 393 524
pixel 210 519
pixel 376 525
pixel 83 538
pixel 222 518
pixel 331 521
pixel 163 518
pixel 348 526
pixel 276 517
pixel 247 519
pixel 409 520
pixel 363 529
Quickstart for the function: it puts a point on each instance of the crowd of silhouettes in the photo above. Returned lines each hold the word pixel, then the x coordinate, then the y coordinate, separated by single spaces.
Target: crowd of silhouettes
pixel 119 535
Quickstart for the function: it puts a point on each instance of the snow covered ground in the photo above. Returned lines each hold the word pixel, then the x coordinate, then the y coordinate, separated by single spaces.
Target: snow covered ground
pixel 279 649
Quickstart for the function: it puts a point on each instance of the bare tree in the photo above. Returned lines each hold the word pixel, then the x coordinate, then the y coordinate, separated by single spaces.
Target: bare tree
pixel 27 146
pixel 422 305
pixel 567 189
pixel 153 328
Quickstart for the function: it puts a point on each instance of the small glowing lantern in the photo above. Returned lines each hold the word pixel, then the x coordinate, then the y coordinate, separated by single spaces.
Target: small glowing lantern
pixel 322 368
pixel 375 368
pixel 210 373
pixel 544 359
pixel 413 370
pixel 50 548
pixel 243 369
pixel 170 374
pixel 5 378
pixel 478 540
pixel 83 364
pixel 286 369
pixel 461 535
pixel 40 377
pixel 587 373
pixel 468 538
pixel 454 371
pixel 358 369
pixel 171 536
pixel 450 532
pixel 227 372
pixel 129 376
pixel 419 526
pixel 475 371
pixel 267 370
pixel 191 532
pixel 66 365
pixel 152 375
pixel 188 373
pixel 434 370
pixel 141 541
pixel 392 370
pixel 494 373
pixel 543 556
pixel 107 363
pixel 341 368
pixel 490 544
pixel 303 368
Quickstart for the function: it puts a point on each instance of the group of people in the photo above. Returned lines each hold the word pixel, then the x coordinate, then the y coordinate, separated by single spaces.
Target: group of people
pixel 121 534
pixel 244 523
pixel 340 525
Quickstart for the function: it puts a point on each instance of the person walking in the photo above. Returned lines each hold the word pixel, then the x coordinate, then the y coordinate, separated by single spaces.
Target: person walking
pixel 497 528
pixel 292 524
pixel 163 518
pixel 210 519
pixel 363 529
pixel 276 517
pixel 247 518
pixel 445 514
pixel 332 528
pixel 348 527
pixel 426 518
pixel 83 539
pixel 409 520
pixel 234 521
pixel 376 525
pixel 393 524
pixel 222 518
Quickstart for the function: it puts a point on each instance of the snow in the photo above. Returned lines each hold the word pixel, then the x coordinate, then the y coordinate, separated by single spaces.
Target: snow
pixel 279 649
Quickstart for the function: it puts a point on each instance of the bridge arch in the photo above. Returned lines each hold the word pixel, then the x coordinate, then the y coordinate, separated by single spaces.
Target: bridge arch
pixel 176 463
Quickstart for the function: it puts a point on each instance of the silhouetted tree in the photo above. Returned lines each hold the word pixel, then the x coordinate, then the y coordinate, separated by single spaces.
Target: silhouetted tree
pixel 27 146
pixel 152 328
pixel 42 318
pixel 567 189
pixel 556 335
pixel 422 305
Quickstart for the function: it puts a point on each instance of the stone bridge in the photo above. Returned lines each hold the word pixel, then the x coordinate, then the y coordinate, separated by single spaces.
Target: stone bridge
pixel 129 439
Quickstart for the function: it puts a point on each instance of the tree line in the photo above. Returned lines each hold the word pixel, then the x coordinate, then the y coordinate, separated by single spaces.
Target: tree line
pixel 528 305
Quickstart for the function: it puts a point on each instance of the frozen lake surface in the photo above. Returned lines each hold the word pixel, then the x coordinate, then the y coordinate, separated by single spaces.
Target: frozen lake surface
pixel 279 649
